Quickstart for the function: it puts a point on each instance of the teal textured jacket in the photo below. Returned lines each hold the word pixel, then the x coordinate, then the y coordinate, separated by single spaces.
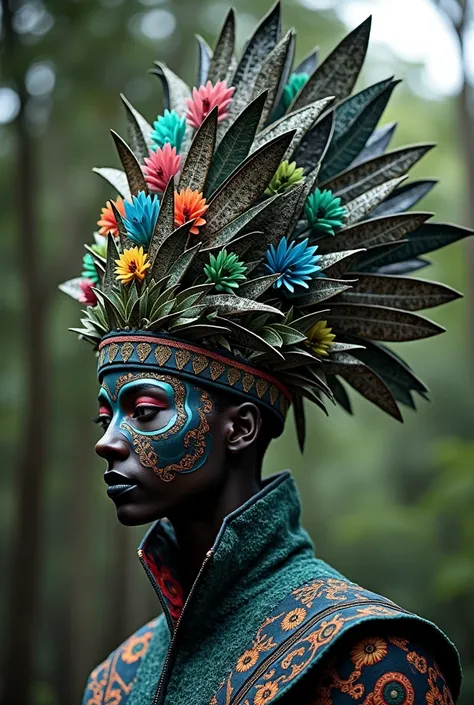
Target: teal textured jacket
pixel 262 617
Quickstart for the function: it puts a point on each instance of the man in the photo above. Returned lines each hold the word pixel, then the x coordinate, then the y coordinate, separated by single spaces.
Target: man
pixel 263 277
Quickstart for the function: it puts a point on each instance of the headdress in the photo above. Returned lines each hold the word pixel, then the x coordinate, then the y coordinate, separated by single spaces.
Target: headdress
pixel 262 234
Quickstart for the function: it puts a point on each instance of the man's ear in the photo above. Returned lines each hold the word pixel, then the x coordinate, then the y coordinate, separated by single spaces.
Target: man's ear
pixel 243 426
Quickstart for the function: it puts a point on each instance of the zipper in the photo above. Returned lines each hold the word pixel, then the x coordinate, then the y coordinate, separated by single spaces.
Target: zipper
pixel 171 648
pixel 152 580
pixel 240 694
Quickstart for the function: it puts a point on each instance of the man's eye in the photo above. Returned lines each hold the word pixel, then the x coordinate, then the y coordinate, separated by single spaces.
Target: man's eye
pixel 103 420
pixel 146 412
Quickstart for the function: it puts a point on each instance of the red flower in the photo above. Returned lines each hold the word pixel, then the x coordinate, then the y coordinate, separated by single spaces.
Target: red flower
pixel 207 97
pixel 88 296
pixel 189 205
pixel 160 166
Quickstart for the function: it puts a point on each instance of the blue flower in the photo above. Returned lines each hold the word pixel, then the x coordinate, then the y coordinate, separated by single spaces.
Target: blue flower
pixel 140 217
pixel 295 262
pixel 169 128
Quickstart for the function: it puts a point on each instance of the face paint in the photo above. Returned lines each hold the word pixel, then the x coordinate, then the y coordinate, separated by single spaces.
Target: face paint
pixel 181 443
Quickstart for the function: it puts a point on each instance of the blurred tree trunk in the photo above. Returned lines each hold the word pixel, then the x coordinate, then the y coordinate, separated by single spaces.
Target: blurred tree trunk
pixel 25 568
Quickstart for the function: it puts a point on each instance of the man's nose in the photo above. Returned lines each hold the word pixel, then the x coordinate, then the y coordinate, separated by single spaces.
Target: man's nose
pixel 113 445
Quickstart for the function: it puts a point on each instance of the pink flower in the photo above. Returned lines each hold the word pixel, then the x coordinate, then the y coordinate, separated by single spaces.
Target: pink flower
pixel 207 97
pixel 88 296
pixel 160 166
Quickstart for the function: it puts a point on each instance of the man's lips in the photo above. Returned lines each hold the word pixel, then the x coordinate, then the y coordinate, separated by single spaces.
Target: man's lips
pixel 118 484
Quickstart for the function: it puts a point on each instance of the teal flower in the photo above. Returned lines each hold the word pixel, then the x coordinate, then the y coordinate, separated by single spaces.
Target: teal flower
pixel 324 212
pixel 225 271
pixel 295 262
pixel 169 128
pixel 88 269
pixel 140 217
pixel 286 175
pixel 294 85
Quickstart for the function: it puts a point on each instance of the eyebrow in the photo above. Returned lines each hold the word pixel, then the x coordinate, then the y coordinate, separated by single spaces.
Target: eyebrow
pixel 136 388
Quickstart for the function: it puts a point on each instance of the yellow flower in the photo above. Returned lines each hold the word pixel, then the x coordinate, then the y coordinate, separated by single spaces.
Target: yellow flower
pixel 247 660
pixel 320 338
pixel 293 619
pixel 131 265
pixel 368 652
pixel 265 693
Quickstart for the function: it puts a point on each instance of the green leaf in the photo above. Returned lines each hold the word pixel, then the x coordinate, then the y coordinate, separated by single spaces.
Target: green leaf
pixel 224 50
pixel 245 185
pixel 179 268
pixel 333 258
pixel 254 288
pixel 356 180
pixel 429 237
pixel 371 386
pixel 139 131
pixel 380 323
pixel 315 143
pixel 374 232
pixel 367 261
pixel 117 179
pixel 301 121
pixel 399 292
pixel 203 330
pixel 340 394
pixel 321 289
pixel 198 161
pixel 240 245
pixel 133 171
pixel 230 305
pixel 289 335
pixel 411 265
pixel 269 77
pixel 175 90
pixel 389 366
pixel 365 203
pixel 304 323
pixel 349 109
pixel 256 51
pixel 377 143
pixel 170 250
pixel 347 143
pixel 404 197
pixel 338 73
pixel 205 57
pixel 246 338
pixel 164 225
pixel 109 282
pixel 235 145
pixel 198 291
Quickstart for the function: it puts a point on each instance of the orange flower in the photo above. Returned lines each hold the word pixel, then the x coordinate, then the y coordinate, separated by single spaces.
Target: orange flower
pixel 368 652
pixel 265 693
pixel 107 223
pixel 293 619
pixel 247 660
pixel 189 205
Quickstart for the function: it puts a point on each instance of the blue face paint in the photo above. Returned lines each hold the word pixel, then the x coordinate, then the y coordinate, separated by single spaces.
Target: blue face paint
pixel 182 443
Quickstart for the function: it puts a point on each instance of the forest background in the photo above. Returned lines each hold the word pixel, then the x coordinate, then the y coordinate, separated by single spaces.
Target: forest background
pixel 389 505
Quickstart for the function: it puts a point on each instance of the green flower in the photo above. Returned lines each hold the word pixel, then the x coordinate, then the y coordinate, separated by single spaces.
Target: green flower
pixel 100 248
pixel 324 212
pixel 286 175
pixel 88 269
pixel 225 271
pixel 294 85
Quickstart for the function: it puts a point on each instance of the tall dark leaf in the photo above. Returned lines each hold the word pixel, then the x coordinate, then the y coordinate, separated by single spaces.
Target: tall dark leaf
pixel 380 323
pixel 205 57
pixel 309 63
pixel 139 131
pixel 273 68
pixel 132 168
pixel 314 145
pixel 377 143
pixel 198 160
pixel 165 222
pixel 175 90
pixel 373 388
pixel 398 292
pixel 373 232
pixel 224 50
pixel 405 197
pixel 337 75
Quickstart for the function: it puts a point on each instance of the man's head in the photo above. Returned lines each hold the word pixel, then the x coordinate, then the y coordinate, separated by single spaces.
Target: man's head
pixel 170 444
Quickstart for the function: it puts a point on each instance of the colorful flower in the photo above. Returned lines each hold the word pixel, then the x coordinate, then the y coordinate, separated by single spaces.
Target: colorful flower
pixel 369 651
pixel 294 85
pixel 88 269
pixel 247 660
pixel 324 212
pixel 286 175
pixel 207 97
pixel 136 647
pixel 320 338
pixel 169 128
pixel 265 693
pixel 88 296
pixel 140 217
pixel 295 262
pixel 132 264
pixel 189 205
pixel 225 271
pixel 100 246
pixel 107 223
pixel 160 166
pixel 293 619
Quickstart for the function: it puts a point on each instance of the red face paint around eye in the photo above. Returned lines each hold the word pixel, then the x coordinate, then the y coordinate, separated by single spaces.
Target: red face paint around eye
pixel 151 401
pixel 104 411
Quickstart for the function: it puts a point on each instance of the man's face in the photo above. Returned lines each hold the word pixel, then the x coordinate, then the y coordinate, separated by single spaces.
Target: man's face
pixel 161 442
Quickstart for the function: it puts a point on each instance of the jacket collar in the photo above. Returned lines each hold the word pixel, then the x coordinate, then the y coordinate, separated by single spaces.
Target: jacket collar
pixel 252 541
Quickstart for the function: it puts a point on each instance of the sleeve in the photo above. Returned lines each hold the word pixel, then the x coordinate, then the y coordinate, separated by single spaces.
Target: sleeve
pixel 379 670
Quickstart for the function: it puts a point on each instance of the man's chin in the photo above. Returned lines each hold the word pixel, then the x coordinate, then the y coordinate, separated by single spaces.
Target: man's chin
pixel 134 514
